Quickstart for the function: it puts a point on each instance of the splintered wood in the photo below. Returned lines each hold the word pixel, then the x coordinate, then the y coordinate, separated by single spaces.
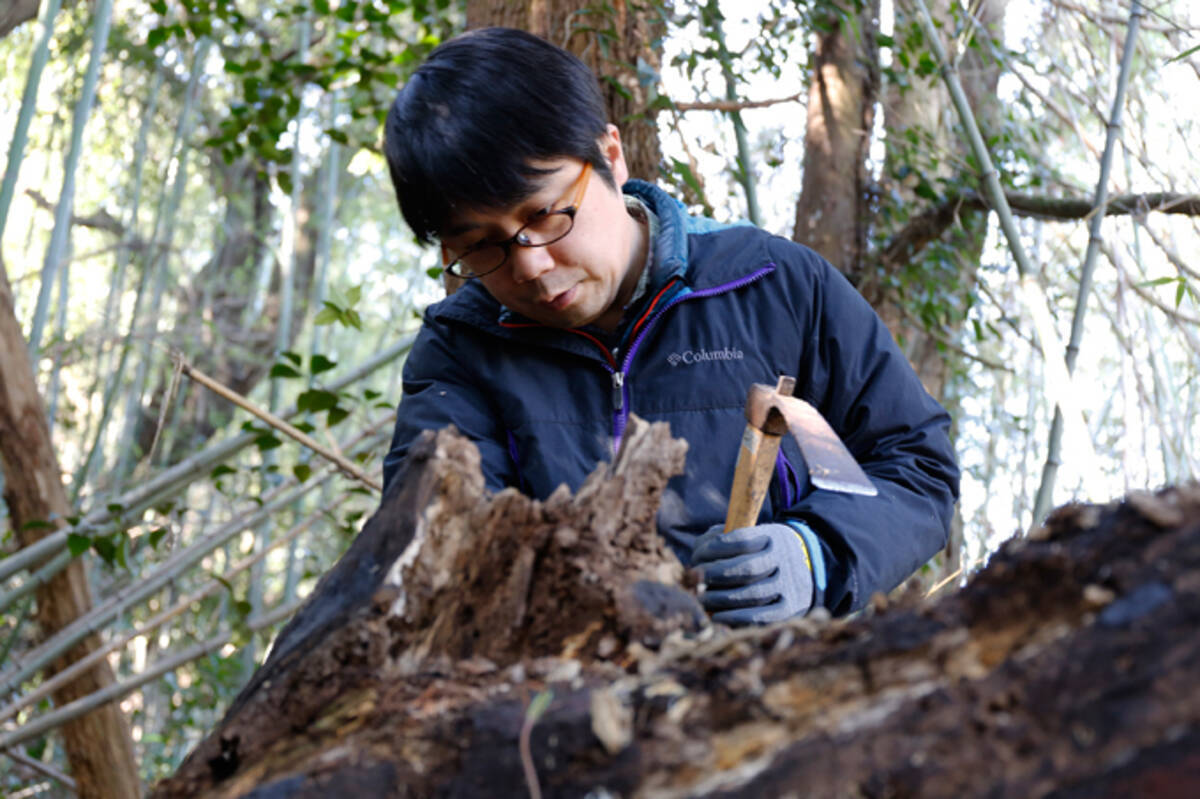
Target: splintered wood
pixel 1066 667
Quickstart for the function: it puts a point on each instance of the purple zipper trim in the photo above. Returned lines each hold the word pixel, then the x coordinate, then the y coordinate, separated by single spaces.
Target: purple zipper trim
pixel 621 417
pixel 512 453
pixel 788 483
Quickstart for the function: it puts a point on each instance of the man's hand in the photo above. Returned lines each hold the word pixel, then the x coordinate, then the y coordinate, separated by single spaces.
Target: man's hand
pixel 754 575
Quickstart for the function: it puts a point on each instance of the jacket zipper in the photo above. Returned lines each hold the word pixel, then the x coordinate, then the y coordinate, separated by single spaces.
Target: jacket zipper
pixel 620 388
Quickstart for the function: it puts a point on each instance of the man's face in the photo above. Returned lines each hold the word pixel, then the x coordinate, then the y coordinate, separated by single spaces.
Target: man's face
pixel 583 278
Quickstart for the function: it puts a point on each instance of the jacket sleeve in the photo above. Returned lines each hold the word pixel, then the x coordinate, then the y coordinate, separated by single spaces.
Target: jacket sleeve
pixel 439 389
pixel 856 376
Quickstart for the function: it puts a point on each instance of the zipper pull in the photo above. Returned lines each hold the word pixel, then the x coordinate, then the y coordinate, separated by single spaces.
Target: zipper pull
pixel 618 390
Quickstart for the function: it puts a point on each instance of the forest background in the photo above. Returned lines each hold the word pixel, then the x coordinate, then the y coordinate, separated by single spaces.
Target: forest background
pixel 196 188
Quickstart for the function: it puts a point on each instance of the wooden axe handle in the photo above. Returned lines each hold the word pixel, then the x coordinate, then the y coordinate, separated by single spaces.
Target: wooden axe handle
pixel 751 477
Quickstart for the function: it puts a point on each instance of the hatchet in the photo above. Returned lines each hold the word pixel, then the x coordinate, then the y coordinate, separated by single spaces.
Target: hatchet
pixel 771 412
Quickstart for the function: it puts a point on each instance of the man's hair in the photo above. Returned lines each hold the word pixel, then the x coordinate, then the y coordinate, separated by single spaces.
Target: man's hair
pixel 462 131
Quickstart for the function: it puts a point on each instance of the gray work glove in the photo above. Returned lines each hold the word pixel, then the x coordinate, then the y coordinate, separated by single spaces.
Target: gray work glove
pixel 754 575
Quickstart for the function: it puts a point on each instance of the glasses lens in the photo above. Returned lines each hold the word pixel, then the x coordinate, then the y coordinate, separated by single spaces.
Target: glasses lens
pixel 478 262
pixel 547 229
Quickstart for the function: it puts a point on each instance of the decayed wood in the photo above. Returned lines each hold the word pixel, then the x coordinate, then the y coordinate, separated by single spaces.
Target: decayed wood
pixel 1066 667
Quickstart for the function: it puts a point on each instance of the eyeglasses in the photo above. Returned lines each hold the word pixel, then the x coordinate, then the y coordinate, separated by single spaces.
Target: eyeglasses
pixel 546 227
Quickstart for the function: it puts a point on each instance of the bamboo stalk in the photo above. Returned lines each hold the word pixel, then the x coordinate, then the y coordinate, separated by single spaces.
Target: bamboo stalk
pixel 106 611
pixel 36 580
pixel 179 562
pixel 162 485
pixel 1053 456
pixel 45 769
pixel 744 160
pixel 1059 375
pixel 345 466
pixel 159 265
pixel 117 690
pixel 179 608
pixel 111 313
pixel 16 147
pixel 66 198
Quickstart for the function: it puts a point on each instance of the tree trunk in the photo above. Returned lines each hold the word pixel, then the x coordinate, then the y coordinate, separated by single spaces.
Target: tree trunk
pixel 832 212
pixel 474 645
pixel 922 109
pixel 612 42
pixel 98 745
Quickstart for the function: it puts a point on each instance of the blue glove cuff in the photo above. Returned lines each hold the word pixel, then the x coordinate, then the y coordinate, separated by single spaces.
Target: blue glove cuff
pixel 815 557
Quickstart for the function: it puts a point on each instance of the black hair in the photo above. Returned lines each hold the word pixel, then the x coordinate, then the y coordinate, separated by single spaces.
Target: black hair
pixel 462 131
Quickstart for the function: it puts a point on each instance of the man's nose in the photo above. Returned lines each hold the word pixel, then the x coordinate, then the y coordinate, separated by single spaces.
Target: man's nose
pixel 530 263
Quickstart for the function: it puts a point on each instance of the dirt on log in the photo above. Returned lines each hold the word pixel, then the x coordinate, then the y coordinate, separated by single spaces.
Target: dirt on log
pixel 479 645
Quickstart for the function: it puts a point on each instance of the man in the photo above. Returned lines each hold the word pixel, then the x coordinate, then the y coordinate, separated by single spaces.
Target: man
pixel 590 296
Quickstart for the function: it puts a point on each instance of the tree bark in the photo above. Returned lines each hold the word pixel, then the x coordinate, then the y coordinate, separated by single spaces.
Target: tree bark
pixel 612 42
pixel 1067 666
pixel 15 13
pixel 98 745
pixel 832 212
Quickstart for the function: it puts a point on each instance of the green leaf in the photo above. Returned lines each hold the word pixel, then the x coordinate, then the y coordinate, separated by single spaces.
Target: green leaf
pixel 284 178
pixel 78 544
pixel 267 442
pixel 294 357
pixel 321 364
pixel 336 415
pixel 37 524
pixel 114 508
pixel 156 537
pixel 353 295
pixel 1158 281
pixel 156 37
pixel 105 548
pixel 370 394
pixel 283 370
pixel 305 427
pixel 120 554
pixel 221 470
pixel 326 316
pixel 434 272
pixel 159 7
pixel 242 608
pixel 1184 54
pixel 316 400
pixel 302 471
pixel 1180 290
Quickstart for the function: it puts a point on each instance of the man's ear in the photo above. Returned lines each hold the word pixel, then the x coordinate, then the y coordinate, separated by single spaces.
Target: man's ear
pixel 614 153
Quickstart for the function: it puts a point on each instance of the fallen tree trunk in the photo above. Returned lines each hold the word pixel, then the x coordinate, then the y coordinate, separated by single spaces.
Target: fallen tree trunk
pixel 422 663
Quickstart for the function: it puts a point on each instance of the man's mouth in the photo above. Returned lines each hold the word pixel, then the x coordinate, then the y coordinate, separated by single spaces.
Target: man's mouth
pixel 561 300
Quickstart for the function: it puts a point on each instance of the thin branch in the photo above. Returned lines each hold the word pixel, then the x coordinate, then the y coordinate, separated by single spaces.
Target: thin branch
pixel 736 105
pixel 45 769
pixel 930 224
pixel 346 467
pixel 101 220
pixel 1108 19
pixel 169 481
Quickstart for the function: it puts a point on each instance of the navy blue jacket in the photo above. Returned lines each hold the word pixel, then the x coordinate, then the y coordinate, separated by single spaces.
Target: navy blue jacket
pixel 730 306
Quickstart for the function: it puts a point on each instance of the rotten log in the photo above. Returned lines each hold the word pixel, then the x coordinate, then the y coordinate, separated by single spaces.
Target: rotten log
pixel 1066 667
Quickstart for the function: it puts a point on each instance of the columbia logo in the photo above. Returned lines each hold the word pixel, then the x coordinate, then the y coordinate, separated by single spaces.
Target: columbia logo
pixel 690 357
